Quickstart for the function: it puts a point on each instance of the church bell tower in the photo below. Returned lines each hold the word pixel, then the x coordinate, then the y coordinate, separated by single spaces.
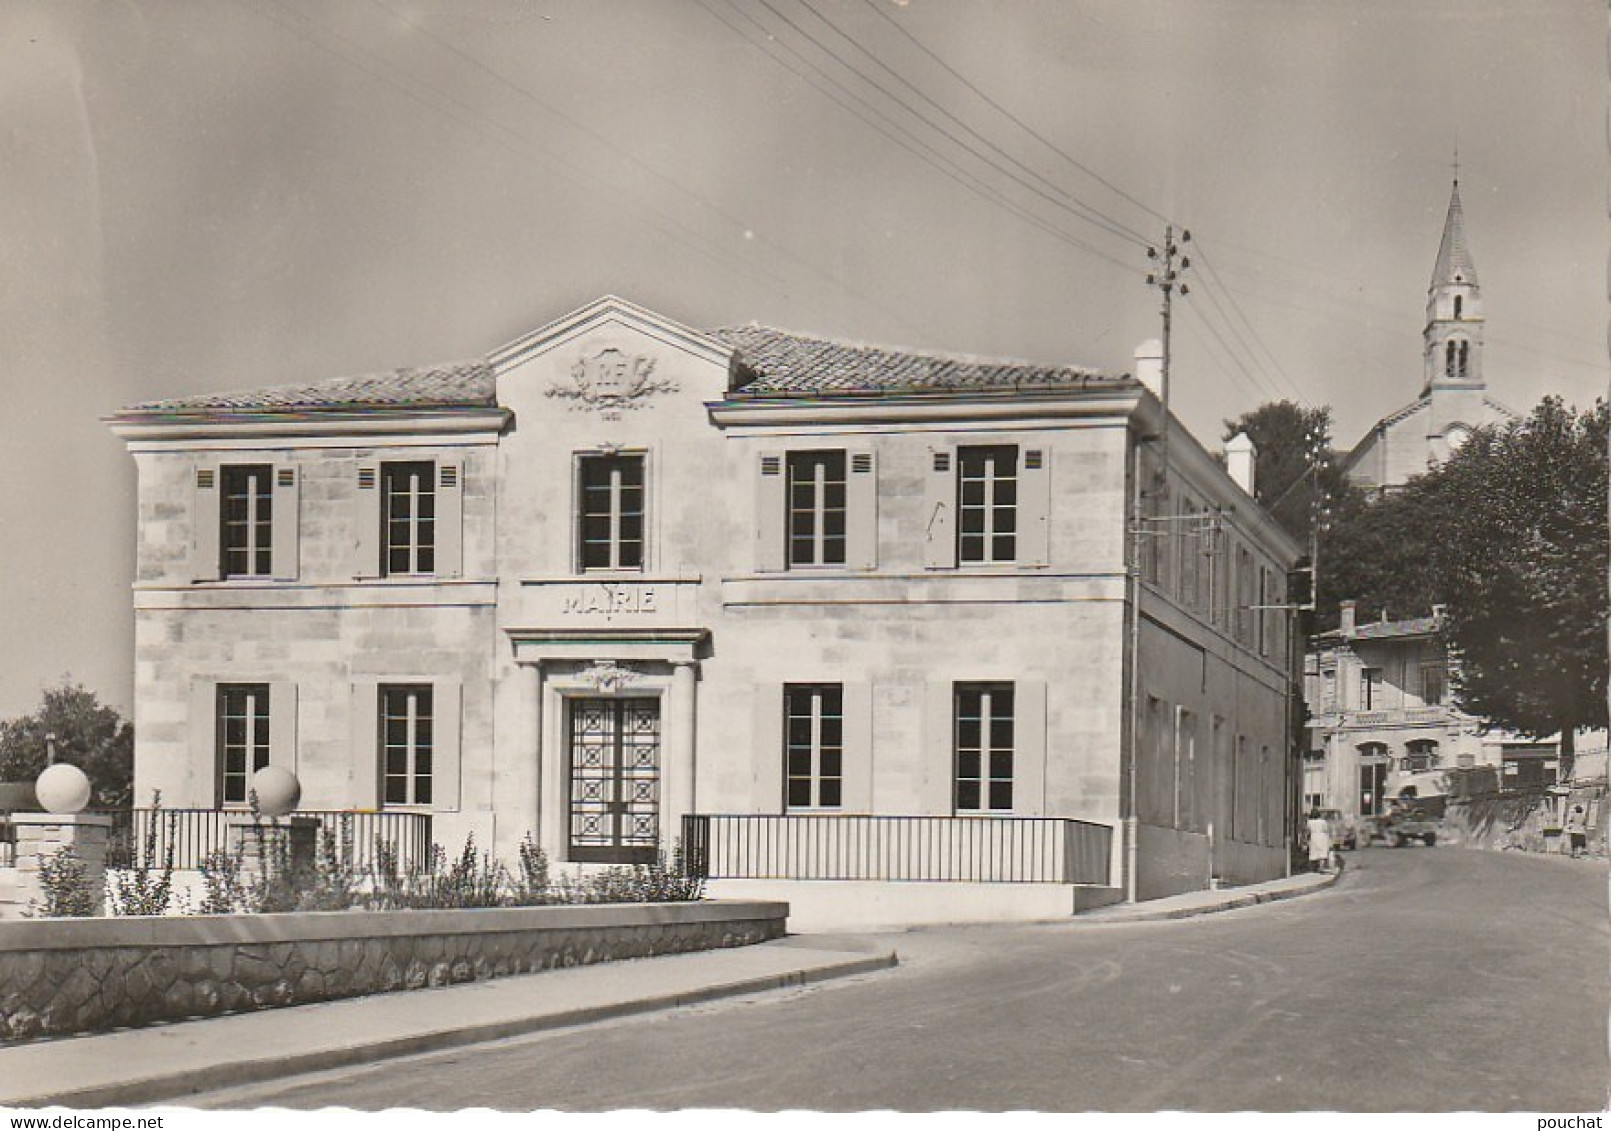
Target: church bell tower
pixel 1453 334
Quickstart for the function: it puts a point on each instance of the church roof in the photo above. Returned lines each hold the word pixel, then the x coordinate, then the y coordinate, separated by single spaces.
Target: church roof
pixel 778 363
pixel 466 384
pixel 1455 264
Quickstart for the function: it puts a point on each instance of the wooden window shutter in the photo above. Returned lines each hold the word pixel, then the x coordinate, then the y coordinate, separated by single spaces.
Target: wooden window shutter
pixel 861 507
pixel 771 505
pixel 286 549
pixel 204 523
pixel 766 739
pixel 1029 747
pixel 858 749
pixel 202 743
pixel 364 760
pixel 447 730
pixel 1034 507
pixel 450 519
pixel 366 522
pixel 282 725
pixel 939 510
pixel 937 780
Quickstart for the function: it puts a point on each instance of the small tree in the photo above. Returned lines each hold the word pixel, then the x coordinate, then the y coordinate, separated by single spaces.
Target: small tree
pixel 93 737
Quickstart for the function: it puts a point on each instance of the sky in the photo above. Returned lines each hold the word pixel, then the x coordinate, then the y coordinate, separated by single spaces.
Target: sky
pixel 206 195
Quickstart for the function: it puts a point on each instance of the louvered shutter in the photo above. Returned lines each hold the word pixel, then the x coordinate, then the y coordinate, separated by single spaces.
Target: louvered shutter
pixel 940 495
pixel 937 780
pixel 204 523
pixel 366 522
pixel 766 740
pixel 282 725
pixel 450 519
pixel 364 767
pixel 771 512
pixel 861 510
pixel 1034 507
pixel 286 549
pixel 447 730
pixel 1029 747
pixel 858 751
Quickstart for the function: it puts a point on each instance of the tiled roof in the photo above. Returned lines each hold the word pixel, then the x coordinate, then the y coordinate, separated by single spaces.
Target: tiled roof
pixel 1389 629
pixel 776 363
pixel 467 384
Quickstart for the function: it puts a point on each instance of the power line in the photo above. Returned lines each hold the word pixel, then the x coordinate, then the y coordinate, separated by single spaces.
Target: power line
pixel 1020 123
pixel 1080 208
pixel 583 128
pixel 902 136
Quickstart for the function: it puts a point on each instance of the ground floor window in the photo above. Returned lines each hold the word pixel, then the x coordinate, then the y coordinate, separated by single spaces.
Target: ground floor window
pixel 982 715
pixel 814 745
pixel 242 714
pixel 406 746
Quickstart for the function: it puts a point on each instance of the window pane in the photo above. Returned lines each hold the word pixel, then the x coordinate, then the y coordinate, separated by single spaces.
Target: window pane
pixel 967 795
pixel 830 797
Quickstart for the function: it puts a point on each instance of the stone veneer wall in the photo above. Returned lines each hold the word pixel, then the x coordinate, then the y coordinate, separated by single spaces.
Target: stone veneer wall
pixel 62 976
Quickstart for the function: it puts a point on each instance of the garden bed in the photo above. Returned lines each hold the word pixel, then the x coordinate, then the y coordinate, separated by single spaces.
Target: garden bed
pixel 61 976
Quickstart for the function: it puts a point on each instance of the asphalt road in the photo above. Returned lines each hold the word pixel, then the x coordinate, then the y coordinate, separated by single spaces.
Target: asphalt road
pixel 1427 980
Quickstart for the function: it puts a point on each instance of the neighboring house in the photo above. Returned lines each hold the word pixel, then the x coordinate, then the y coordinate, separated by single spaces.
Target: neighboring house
pixel 821 610
pixel 1453 399
pixel 1382 720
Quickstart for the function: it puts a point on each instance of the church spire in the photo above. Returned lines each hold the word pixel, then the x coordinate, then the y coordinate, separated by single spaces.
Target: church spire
pixel 1453 334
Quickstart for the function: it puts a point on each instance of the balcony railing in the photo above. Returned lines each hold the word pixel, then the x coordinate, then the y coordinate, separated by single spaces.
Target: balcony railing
pixel 1024 850
pixel 197 833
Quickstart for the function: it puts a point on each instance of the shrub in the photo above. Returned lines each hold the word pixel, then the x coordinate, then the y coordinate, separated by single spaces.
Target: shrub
pixel 145 887
pixel 65 886
pixel 532 885
pixel 221 881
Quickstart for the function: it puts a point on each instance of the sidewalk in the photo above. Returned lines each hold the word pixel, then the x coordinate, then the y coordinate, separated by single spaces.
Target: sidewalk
pixel 169 1062
pixel 1206 902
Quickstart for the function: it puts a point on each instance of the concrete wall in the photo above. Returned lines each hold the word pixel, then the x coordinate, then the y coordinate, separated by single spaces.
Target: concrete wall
pixel 72 976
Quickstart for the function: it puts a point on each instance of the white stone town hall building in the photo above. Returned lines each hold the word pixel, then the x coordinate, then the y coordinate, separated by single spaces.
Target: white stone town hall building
pixel 869 611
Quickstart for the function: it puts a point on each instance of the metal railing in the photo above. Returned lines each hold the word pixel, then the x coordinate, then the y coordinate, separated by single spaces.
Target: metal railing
pixel 197 833
pixel 1055 850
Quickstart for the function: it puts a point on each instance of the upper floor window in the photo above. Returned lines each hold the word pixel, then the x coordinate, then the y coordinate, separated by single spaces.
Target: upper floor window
pixel 987 504
pixel 246 520
pixel 609 512
pixel 816 508
pixel 406 744
pixel 814 745
pixel 242 742
pixel 408 517
pixel 982 716
pixel 1434 681
pixel 1370 689
pixel 817 502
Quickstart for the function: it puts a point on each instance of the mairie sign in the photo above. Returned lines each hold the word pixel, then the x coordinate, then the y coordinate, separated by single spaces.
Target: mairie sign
pixel 609 599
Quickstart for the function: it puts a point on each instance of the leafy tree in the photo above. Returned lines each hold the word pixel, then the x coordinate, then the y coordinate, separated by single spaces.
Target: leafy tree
pixel 1522 552
pixel 1287 479
pixel 93 737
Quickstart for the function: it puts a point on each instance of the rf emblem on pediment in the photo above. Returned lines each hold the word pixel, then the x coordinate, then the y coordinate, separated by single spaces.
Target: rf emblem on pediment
pixel 611 381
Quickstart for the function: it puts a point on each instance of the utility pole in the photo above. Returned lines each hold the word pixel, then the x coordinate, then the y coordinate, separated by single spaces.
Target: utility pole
pixel 1166 277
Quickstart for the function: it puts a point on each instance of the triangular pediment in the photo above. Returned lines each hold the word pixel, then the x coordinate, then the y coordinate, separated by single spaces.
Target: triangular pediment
pixel 602 314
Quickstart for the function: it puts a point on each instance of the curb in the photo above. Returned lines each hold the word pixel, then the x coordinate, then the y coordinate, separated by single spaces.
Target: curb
pixel 1136 913
pixel 168 1086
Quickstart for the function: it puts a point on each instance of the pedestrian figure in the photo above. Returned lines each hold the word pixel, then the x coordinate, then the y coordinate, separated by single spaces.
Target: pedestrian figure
pixel 1576 831
pixel 1319 842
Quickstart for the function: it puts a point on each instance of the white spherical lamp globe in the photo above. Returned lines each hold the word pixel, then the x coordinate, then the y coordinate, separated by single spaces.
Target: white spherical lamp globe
pixel 277 791
pixel 62 788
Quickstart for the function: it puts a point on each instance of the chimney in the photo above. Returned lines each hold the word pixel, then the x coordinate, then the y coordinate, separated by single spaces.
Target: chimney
pixel 1240 458
pixel 1345 617
pixel 1149 365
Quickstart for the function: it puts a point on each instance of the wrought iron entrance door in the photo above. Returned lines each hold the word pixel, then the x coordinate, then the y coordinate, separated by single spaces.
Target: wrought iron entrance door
pixel 615 780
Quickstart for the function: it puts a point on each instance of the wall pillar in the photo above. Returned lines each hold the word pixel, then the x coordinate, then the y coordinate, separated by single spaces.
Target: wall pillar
pixel 528 753
pixel 42 835
pixel 681 797
pixel 255 843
